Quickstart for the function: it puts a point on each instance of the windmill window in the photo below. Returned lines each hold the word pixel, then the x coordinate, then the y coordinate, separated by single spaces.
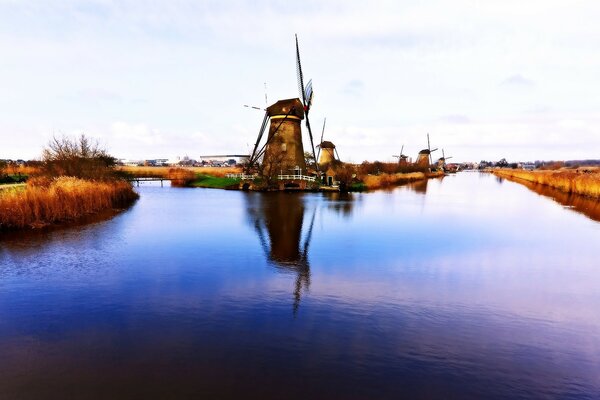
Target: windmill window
pixel 284 147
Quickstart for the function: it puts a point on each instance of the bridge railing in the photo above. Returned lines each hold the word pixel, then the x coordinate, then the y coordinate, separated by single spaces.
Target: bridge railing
pixel 243 177
pixel 296 178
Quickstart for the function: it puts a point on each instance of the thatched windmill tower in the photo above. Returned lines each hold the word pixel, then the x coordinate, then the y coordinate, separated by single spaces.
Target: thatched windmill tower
pixel 283 150
pixel 327 153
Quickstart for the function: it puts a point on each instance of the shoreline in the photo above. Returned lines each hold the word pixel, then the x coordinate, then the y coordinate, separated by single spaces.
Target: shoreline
pixel 582 181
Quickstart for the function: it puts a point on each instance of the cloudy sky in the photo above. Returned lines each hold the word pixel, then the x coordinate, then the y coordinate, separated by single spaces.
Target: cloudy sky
pixel 487 79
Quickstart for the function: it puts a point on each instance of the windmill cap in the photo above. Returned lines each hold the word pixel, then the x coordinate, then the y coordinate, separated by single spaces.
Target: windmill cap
pixel 294 107
pixel 425 151
pixel 327 145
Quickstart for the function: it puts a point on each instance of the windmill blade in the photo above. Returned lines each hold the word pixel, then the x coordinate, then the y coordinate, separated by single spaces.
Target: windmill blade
pixel 336 153
pixel 260 135
pixel 308 94
pixel 321 142
pixel 447 158
pixel 402 151
pixel 299 74
pixel 312 144
pixel 254 107
pixel 429 149
pixel 443 155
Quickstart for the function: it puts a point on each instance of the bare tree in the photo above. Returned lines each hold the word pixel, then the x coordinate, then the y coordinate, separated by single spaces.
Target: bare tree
pixel 81 157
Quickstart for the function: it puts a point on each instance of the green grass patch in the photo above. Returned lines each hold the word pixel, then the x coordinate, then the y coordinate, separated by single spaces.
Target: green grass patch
pixel 8 179
pixel 215 182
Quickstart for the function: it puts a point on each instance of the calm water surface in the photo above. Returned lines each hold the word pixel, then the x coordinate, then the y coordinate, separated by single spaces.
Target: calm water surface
pixel 466 287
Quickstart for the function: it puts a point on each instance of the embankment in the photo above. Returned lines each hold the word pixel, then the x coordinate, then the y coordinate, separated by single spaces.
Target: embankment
pixel 163 172
pixel 585 182
pixel 62 199
pixel 384 180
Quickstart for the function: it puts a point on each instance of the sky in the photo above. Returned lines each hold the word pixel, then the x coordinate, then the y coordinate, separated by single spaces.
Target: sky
pixel 158 79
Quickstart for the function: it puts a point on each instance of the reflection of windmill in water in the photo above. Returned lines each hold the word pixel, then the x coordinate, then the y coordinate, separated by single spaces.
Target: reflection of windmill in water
pixel 283 151
pixel 278 219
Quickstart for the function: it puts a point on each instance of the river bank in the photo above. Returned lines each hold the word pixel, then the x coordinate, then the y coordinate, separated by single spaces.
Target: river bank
pixel 219 178
pixel 581 181
pixel 40 204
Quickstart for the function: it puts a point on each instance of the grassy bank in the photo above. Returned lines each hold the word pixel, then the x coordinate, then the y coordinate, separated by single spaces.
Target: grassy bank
pixel 163 172
pixel 584 182
pixel 44 202
pixel 215 182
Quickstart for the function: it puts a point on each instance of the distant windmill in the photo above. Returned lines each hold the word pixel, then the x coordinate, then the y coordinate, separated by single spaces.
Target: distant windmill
pixel 402 158
pixel 283 149
pixel 424 157
pixel 329 153
pixel 442 161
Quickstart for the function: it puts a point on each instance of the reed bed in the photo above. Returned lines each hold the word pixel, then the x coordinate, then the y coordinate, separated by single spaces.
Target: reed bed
pixel 181 177
pixel 388 180
pixel 584 182
pixel 47 201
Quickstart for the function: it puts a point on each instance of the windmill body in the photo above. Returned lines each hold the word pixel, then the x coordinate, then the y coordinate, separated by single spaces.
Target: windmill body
pixel 327 150
pixel 284 151
pixel 423 158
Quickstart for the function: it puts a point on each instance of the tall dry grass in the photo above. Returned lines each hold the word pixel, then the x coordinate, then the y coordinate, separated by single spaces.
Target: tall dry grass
pixel 584 182
pixel 388 180
pixel 181 177
pixel 46 201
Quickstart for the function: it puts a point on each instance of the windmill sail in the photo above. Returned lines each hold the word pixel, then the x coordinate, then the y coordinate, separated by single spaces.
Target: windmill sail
pixel 306 101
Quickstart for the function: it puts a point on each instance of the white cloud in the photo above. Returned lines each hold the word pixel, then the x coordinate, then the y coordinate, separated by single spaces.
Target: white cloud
pixel 489 79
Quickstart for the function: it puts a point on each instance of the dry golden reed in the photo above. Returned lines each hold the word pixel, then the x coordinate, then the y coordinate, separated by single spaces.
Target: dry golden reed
pixel 585 182
pixel 387 180
pixel 45 201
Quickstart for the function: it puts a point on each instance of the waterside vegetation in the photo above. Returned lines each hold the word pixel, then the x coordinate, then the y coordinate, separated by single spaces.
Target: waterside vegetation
pixel 581 181
pixel 74 179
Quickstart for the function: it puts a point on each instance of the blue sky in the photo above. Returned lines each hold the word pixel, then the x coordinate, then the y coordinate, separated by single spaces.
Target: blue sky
pixel 486 79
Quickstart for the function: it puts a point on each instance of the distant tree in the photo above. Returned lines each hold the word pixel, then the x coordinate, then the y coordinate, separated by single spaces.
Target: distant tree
pixel 502 163
pixel 81 157
pixel 309 159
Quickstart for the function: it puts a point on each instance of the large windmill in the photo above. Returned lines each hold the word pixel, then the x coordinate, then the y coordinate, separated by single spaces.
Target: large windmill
pixel 327 151
pixel 283 150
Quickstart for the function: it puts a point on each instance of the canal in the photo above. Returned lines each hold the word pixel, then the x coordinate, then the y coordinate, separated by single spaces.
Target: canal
pixel 464 287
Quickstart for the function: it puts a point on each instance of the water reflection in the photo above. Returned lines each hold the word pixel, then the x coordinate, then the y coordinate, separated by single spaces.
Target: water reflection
pixel 280 216
pixel 342 203
pixel 582 204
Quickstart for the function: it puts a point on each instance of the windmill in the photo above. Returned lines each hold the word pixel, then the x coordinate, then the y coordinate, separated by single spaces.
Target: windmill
pixel 402 158
pixel 424 157
pixel 283 149
pixel 329 153
pixel 441 163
